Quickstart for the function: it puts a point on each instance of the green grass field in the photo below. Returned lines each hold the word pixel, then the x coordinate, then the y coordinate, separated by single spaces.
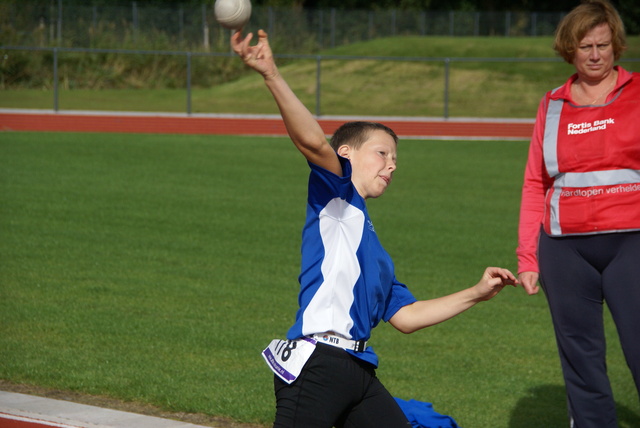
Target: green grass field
pixel 154 269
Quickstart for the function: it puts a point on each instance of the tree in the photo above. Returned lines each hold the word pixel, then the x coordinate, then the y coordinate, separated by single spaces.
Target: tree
pixel 629 9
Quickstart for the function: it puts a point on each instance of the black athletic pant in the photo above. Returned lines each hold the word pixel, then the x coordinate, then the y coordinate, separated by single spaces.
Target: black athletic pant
pixel 577 275
pixel 336 389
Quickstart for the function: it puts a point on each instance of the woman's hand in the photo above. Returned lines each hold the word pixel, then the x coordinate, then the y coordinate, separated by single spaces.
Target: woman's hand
pixel 529 281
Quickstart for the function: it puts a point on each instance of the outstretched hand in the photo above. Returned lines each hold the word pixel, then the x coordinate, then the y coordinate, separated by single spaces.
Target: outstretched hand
pixel 258 57
pixel 425 313
pixel 493 281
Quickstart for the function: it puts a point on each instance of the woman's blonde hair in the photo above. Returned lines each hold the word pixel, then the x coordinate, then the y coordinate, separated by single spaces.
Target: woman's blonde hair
pixel 582 19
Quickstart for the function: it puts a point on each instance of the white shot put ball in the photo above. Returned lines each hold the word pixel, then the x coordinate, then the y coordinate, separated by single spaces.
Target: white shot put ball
pixel 232 14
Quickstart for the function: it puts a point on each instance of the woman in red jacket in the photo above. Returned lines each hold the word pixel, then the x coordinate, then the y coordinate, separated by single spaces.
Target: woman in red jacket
pixel 579 231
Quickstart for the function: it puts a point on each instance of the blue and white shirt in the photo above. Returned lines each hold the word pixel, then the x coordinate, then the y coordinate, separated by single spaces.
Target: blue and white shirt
pixel 347 280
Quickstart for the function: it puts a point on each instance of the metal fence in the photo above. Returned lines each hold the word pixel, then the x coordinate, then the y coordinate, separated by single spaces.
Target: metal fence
pixel 446 64
pixel 439 106
pixel 73 23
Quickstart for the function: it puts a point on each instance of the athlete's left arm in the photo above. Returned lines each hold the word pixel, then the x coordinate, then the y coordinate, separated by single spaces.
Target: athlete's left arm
pixel 425 313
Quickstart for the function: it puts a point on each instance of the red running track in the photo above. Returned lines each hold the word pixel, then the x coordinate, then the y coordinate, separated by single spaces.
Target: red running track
pixel 427 128
pixel 12 421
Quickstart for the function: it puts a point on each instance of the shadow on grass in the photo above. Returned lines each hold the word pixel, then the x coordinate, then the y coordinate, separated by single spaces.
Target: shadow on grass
pixel 627 417
pixel 545 406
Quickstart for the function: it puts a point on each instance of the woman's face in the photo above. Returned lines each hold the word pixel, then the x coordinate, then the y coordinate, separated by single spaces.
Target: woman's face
pixel 594 57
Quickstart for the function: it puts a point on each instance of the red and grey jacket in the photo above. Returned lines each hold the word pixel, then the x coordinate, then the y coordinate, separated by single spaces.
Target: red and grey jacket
pixel 583 172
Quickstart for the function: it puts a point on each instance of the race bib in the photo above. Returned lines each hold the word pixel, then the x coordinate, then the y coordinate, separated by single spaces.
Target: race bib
pixel 286 358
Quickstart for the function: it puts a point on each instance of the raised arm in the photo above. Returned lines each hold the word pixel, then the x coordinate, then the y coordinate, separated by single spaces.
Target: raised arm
pixel 426 313
pixel 304 130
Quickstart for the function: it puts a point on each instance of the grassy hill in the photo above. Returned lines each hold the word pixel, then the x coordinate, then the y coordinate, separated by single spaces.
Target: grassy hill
pixel 404 76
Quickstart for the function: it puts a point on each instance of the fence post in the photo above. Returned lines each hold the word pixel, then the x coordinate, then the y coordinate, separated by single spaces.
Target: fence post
pixel 371 26
pixel 134 19
pixel 507 24
pixel 272 21
pixel 181 25
pixel 52 26
pixel 205 28
pixel 320 28
pixel 446 87
pixel 476 24
pixel 393 22
pixel 55 79
pixel 534 24
pixel 451 23
pixel 59 22
pixel 318 84
pixel 333 27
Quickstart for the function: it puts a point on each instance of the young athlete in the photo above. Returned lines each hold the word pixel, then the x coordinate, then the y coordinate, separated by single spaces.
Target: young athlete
pixel 325 372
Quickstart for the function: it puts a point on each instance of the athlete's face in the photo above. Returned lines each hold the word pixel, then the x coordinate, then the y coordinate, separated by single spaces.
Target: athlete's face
pixel 594 57
pixel 373 164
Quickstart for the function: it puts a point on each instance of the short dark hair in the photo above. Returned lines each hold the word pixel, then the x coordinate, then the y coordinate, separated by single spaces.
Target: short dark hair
pixel 354 134
pixel 582 19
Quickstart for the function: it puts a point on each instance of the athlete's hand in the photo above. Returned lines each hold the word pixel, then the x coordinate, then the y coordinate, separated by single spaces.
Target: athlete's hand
pixel 258 57
pixel 493 281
